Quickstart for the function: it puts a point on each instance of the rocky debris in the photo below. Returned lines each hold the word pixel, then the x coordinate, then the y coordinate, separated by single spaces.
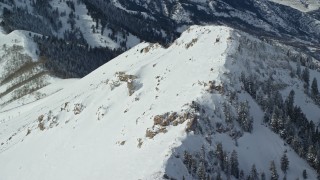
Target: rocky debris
pixel 101 112
pixel 191 43
pixel 162 122
pixel 212 87
pixel 150 47
pixel 65 107
pixel 129 79
pixel 150 134
pixel 140 142
pixel 78 108
pixel 28 132
pixel 47 120
pixel 121 143
pixel 41 123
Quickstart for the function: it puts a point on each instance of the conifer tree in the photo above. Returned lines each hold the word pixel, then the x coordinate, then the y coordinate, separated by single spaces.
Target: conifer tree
pixel 219 152
pixel 304 174
pixel 273 171
pixel 227 113
pixel 314 89
pixel 274 122
pixel 244 118
pixel 284 163
pixel 201 172
pixel 254 172
pixel 218 177
pixel 306 77
pixel 290 103
pixel 263 176
pixel 234 164
pixel 299 69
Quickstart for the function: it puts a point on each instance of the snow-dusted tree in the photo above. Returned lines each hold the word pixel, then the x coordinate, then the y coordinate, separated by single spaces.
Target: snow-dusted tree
pixel 306 77
pixel 260 98
pixel 219 152
pixel 254 173
pixel 208 177
pixel 277 99
pixel 284 163
pixel 228 113
pixel 290 103
pixel 241 174
pixel 218 177
pixel 201 171
pixel 263 176
pixel 194 166
pixel 244 118
pixel 226 164
pixel 234 164
pixel 274 122
pixel 298 69
pixel 288 129
pixel 187 160
pixel 273 171
pixel 284 177
pixel 312 156
pixel 304 174
pixel 314 89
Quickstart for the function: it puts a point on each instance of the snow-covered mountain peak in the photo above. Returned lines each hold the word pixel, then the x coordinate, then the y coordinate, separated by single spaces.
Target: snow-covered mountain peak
pixel 157 113
pixel 113 109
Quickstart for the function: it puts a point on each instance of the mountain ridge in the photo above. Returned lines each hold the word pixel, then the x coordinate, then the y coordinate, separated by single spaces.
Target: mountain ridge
pixel 145 104
pixel 234 97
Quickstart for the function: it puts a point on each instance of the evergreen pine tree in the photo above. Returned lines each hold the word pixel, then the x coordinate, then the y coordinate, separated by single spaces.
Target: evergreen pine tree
pixel 254 172
pixel 314 89
pixel 263 176
pixel 244 119
pixel 312 155
pixel 273 171
pixel 219 152
pixel 284 163
pixel 227 113
pixel 241 175
pixel 208 177
pixel 304 174
pixel 226 165
pixel 274 122
pixel 234 164
pixel 306 77
pixel 290 103
pixel 201 172
pixel 299 69
pixel 218 177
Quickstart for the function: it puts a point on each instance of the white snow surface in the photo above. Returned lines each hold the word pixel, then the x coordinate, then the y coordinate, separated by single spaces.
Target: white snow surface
pixel 19 38
pixel 301 5
pixel 93 127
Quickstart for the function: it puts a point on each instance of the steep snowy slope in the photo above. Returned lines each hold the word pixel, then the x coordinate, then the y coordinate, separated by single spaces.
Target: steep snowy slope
pixel 137 116
pixel 22 74
pixel 302 5
pixel 96 34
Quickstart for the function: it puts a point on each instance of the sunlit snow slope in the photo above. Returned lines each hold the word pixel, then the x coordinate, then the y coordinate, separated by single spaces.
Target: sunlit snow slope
pixel 302 5
pixel 104 126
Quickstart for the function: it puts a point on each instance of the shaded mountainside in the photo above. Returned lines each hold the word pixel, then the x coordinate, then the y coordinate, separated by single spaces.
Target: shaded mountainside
pixel 215 103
